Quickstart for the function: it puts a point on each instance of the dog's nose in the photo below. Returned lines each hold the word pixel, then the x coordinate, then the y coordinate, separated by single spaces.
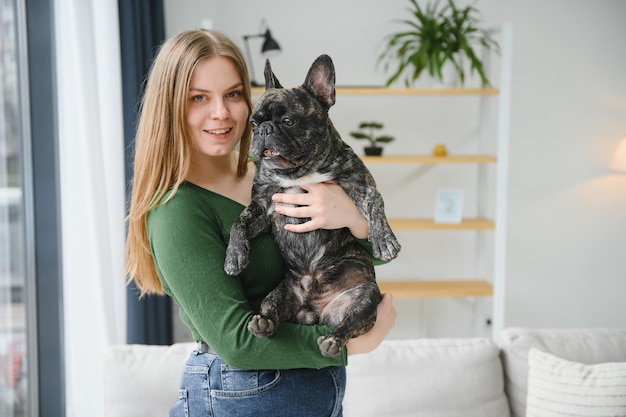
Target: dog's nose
pixel 266 129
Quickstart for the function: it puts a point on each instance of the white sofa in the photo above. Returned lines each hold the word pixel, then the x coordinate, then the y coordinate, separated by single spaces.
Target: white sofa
pixel 424 377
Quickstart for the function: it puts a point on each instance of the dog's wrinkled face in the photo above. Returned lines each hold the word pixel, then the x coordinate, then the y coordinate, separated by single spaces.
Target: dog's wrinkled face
pixel 291 126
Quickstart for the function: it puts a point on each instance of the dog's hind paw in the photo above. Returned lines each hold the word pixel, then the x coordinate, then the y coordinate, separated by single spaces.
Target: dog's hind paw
pixel 330 346
pixel 261 327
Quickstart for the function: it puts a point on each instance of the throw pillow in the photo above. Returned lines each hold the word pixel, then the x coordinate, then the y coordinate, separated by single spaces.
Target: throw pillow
pixel 558 387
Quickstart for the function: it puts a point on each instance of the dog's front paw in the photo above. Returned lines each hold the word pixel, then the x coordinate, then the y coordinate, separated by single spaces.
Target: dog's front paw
pixel 236 260
pixel 330 346
pixel 261 327
pixel 386 248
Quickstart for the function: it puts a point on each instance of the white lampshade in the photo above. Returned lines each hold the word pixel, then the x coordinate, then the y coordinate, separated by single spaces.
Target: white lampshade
pixel 618 163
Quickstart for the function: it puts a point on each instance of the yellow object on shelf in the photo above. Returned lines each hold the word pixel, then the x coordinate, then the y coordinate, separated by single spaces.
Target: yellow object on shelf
pixel 440 150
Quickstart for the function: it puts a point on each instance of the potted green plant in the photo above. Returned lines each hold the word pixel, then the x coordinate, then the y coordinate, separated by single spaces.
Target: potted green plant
pixel 371 128
pixel 437 35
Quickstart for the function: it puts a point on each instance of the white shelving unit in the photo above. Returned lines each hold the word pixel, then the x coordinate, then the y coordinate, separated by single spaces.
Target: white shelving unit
pixel 482 285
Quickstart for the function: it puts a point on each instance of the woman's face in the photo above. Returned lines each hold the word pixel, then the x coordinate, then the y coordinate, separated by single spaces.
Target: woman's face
pixel 217 112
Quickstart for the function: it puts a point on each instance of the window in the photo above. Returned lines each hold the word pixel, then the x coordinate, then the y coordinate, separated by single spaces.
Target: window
pixel 14 395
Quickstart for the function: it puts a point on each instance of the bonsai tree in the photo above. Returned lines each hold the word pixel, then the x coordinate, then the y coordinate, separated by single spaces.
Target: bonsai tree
pixel 435 36
pixel 370 134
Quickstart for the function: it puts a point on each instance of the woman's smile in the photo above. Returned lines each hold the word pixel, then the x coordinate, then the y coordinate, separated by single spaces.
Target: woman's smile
pixel 220 134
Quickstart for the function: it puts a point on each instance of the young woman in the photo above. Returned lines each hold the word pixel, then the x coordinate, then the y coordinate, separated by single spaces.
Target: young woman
pixel 190 185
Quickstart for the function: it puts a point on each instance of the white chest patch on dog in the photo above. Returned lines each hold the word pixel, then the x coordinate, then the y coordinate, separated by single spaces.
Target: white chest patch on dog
pixel 313 178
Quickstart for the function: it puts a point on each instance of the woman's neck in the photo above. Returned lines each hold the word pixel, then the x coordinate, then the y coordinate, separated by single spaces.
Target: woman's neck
pixel 219 174
pixel 213 169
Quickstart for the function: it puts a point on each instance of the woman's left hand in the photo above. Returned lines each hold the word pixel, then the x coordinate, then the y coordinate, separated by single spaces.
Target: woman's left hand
pixel 327 205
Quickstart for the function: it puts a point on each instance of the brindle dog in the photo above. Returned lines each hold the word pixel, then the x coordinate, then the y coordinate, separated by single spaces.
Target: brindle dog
pixel 330 276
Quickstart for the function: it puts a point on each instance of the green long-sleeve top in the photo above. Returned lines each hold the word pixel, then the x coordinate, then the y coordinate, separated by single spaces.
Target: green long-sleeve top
pixel 188 237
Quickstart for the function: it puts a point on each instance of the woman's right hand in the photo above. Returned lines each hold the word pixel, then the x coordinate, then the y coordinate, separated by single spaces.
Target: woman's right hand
pixel 385 321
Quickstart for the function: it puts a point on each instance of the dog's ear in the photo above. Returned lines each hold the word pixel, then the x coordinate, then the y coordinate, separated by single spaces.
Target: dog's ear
pixel 270 79
pixel 321 80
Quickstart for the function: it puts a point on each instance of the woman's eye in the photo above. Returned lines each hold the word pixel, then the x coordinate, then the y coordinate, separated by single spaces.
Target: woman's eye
pixel 234 94
pixel 198 98
pixel 287 121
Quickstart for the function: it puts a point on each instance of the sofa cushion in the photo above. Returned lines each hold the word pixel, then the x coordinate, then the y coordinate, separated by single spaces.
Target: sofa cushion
pixel 143 380
pixel 560 387
pixel 588 346
pixel 427 377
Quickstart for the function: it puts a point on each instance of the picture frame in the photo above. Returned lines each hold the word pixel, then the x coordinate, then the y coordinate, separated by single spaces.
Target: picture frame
pixel 449 205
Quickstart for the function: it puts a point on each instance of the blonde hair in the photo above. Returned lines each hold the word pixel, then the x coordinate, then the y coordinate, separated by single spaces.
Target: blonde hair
pixel 163 146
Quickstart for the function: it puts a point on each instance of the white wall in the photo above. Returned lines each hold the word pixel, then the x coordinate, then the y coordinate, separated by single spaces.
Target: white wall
pixel 566 261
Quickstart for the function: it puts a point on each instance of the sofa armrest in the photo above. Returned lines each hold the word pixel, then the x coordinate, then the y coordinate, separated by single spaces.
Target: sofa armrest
pixel 143 380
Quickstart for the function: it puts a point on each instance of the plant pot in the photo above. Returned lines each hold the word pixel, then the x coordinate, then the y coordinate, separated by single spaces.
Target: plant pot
pixel 449 77
pixel 373 150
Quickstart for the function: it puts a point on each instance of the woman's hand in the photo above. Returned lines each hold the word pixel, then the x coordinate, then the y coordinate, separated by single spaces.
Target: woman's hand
pixel 385 321
pixel 328 206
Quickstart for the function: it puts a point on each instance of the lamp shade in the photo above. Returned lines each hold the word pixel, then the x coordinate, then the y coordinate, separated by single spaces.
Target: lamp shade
pixel 618 163
pixel 270 46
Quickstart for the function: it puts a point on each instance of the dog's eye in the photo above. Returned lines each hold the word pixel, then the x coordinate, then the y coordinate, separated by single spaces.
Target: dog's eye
pixel 253 123
pixel 287 121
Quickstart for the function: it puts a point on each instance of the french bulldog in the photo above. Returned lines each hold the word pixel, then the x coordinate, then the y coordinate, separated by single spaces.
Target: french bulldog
pixel 330 277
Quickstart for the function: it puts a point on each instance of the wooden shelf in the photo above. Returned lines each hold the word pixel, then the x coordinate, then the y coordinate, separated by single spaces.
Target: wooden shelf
pixel 384 91
pixel 437 288
pixel 429 159
pixel 480 223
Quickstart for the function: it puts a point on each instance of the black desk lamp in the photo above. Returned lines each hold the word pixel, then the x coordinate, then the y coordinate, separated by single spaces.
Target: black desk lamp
pixel 270 47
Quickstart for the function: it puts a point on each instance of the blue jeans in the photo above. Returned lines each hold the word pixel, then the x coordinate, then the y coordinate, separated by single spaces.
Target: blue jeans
pixel 211 388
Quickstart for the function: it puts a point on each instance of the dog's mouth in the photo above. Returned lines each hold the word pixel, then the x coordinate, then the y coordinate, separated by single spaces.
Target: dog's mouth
pixel 270 153
pixel 277 159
